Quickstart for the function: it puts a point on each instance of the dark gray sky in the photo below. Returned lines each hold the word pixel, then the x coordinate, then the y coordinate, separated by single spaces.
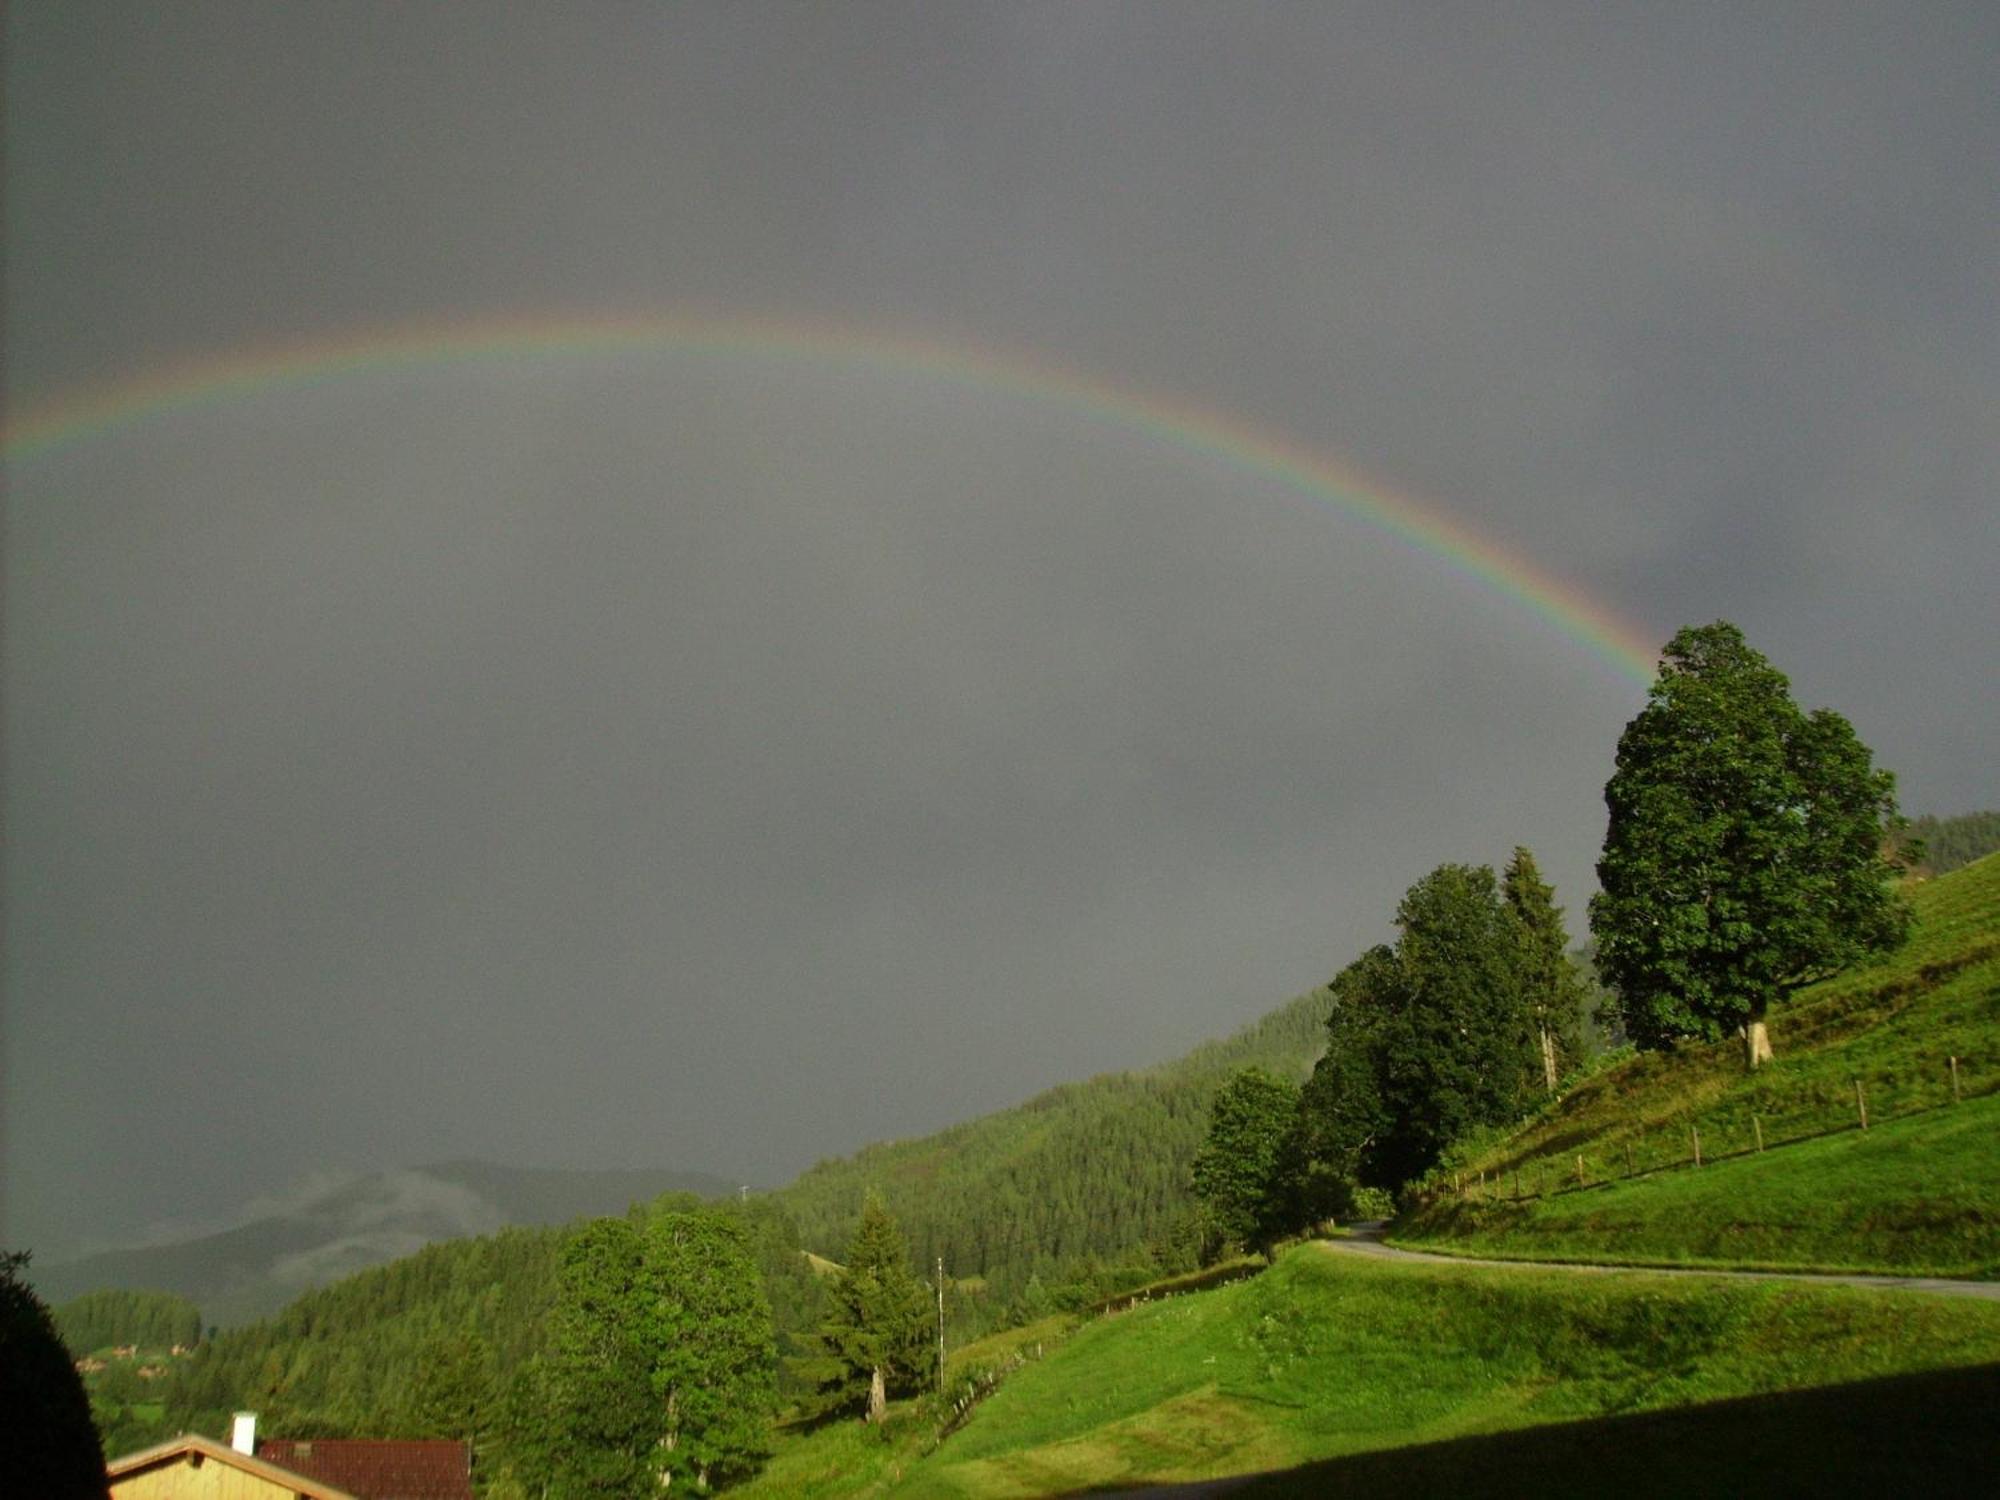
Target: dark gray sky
pixel 720 762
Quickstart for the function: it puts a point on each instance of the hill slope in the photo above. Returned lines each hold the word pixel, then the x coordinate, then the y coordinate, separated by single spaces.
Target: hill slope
pixel 1327 1358
pixel 1104 1163
pixel 1097 1168
pixel 1920 1190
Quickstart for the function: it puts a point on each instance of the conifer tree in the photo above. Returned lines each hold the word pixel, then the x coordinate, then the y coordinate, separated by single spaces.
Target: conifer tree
pixel 875 1339
pixel 1428 1039
pixel 52 1449
pixel 1551 986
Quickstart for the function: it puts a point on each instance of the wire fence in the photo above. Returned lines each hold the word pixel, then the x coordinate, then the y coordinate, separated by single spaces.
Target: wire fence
pixel 1740 1127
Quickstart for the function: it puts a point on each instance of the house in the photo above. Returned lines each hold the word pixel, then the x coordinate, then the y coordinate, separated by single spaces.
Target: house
pixel 198 1468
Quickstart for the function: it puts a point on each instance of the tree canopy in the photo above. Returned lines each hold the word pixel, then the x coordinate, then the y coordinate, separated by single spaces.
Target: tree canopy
pixel 1247 1171
pixel 707 1323
pixel 662 1364
pixel 1750 850
pixel 1427 1039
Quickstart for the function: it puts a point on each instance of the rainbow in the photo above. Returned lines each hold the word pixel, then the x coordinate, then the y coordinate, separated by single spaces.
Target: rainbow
pixel 1232 442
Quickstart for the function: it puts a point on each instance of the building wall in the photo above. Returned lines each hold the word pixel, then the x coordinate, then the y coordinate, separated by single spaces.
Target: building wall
pixel 212 1480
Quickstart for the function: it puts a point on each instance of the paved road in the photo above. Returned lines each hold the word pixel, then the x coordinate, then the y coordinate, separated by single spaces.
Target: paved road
pixel 1366 1240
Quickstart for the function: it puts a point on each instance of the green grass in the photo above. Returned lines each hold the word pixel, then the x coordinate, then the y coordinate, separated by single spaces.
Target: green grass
pixel 1919 1195
pixel 1920 1191
pixel 847 1459
pixel 1324 1357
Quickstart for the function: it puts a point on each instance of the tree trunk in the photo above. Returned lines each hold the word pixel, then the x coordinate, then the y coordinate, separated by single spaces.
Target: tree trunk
pixel 1548 1060
pixel 878 1398
pixel 1756 1042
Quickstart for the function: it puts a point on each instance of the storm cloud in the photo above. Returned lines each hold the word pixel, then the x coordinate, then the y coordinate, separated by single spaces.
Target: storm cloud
pixel 709 759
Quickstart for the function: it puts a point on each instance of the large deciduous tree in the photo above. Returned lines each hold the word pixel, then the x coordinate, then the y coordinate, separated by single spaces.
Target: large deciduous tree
pixel 663 1368
pixel 707 1321
pixel 1750 849
pixel 598 1377
pixel 1247 1170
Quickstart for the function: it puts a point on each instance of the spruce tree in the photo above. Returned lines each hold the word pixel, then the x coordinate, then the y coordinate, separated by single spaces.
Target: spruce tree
pixel 1427 1040
pixel 875 1340
pixel 1552 988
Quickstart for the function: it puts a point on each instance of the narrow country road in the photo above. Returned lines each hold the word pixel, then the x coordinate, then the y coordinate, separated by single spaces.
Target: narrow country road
pixel 1366 1240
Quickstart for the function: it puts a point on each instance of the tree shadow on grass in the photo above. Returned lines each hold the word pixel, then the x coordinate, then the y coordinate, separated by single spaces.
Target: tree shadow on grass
pixel 1935 1434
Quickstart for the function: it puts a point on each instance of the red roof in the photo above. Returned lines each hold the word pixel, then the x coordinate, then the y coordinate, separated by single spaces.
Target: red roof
pixel 378 1469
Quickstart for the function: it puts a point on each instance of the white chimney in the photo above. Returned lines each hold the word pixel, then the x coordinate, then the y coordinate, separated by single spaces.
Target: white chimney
pixel 243 1434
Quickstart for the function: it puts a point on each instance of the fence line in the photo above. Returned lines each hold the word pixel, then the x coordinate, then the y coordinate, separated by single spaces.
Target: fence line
pixel 1561 1170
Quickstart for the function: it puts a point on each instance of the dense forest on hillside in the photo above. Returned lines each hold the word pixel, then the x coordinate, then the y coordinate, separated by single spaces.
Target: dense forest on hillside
pixel 1023 1204
pixel 1092 1171
pixel 353 1359
pixel 1952 843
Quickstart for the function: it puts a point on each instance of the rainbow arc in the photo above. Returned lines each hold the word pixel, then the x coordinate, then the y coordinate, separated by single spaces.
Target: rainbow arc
pixel 1232 441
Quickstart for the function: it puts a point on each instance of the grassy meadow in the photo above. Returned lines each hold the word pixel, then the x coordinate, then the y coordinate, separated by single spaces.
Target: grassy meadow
pixel 1919 1191
pixel 1324 1358
pixel 1918 1195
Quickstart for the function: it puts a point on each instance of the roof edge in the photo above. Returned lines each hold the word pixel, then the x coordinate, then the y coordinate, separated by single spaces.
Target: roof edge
pixel 191 1443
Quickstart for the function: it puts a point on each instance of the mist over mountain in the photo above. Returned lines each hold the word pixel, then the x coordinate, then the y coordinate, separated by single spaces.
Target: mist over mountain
pixel 253 1261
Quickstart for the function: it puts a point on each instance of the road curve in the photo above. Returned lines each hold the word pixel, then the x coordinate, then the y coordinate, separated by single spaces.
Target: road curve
pixel 1365 1239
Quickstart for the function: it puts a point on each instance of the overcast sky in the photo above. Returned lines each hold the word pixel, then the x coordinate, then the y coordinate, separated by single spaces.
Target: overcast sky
pixel 716 761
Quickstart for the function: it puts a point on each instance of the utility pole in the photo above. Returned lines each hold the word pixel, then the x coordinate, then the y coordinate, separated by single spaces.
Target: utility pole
pixel 940 1287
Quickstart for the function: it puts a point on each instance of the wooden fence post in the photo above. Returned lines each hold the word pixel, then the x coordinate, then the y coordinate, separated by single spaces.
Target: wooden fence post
pixel 1579 1169
pixel 1861 1103
pixel 1757 1125
pixel 1695 1136
pixel 1954 1080
pixel 1628 1159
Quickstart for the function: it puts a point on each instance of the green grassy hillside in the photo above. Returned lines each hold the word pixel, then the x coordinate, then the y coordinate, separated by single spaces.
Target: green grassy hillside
pixel 1095 1168
pixel 1326 1357
pixel 1918 1191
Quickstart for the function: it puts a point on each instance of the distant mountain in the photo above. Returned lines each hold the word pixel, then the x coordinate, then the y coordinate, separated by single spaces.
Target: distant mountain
pixel 274 1253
